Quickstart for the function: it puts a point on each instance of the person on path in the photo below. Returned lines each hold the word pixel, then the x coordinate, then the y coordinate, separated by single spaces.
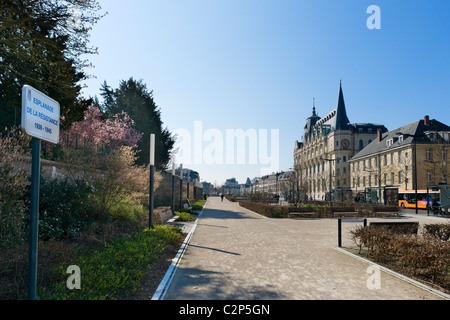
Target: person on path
pixel 221 195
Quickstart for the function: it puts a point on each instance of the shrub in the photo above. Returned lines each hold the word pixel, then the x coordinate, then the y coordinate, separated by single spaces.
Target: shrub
pixel 265 209
pixel 184 216
pixel 197 207
pixel 439 231
pixel 200 203
pixel 65 208
pixel 426 257
pixel 14 180
pixel 117 270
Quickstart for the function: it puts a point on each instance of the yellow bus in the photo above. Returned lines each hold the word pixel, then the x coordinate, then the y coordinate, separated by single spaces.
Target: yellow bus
pixel 407 198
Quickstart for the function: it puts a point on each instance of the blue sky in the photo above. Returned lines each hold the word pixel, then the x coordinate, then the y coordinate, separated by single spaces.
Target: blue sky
pixel 258 64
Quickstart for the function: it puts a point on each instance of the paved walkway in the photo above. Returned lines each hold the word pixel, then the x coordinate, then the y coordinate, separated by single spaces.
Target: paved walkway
pixel 237 254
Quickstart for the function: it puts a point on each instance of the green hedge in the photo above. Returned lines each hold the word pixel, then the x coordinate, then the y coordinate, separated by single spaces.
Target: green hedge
pixel 264 209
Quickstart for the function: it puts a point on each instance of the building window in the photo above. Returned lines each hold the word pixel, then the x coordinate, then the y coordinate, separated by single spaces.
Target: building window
pixel 429 155
pixel 364 181
pixel 399 157
pixel 392 178
pixel 345 159
pixel 444 155
pixel 361 144
pixel 400 177
pixel 385 159
pixel 392 158
pixel 429 176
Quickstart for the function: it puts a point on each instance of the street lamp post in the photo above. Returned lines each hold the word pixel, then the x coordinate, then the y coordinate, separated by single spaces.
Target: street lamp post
pixel 414 136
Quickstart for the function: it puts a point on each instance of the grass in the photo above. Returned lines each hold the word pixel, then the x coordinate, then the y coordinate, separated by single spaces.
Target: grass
pixel 117 270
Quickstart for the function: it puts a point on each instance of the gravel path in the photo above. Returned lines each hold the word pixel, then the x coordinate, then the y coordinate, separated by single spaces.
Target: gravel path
pixel 238 254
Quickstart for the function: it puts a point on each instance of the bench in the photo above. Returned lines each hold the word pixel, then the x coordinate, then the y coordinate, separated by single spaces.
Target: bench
pixel 386 211
pixel 172 220
pixel 299 212
pixel 410 227
pixel 387 214
pixel 343 212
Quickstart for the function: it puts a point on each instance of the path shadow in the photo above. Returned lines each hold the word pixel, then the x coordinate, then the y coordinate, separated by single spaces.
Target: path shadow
pixel 199 284
pixel 214 249
pixel 225 214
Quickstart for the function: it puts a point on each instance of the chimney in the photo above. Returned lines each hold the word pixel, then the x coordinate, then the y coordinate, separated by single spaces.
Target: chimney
pixel 380 135
pixel 427 120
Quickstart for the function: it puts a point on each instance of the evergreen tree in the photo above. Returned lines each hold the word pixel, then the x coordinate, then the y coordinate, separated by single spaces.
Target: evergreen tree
pixel 133 97
pixel 41 43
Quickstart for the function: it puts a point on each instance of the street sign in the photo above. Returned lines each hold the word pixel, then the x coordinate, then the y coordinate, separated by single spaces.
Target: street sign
pixel 40 115
pixel 40 120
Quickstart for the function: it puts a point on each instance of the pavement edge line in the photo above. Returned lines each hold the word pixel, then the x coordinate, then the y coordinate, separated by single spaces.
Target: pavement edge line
pixel 167 280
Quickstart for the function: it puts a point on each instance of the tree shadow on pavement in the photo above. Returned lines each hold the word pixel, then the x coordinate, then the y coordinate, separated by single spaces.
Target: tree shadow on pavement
pixel 225 214
pixel 198 284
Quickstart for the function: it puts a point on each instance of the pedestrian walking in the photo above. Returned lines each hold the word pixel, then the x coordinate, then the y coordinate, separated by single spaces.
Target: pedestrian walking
pixel 221 195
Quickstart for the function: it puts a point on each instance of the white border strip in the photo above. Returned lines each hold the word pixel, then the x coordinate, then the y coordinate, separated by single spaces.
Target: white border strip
pixel 398 275
pixel 161 291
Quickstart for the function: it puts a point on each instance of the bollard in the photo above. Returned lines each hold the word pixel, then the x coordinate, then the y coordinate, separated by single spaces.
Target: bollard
pixel 340 233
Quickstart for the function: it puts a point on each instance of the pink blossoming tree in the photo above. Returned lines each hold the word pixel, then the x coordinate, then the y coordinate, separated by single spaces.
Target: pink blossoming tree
pixel 114 133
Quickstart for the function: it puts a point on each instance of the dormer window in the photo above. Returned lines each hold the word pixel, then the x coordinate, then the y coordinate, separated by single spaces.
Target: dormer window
pixel 389 142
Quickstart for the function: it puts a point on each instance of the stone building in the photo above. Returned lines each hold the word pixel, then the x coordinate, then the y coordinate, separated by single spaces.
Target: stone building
pixel 388 161
pixel 321 158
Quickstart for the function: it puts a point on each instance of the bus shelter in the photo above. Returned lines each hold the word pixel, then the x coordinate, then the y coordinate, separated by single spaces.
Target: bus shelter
pixel 438 199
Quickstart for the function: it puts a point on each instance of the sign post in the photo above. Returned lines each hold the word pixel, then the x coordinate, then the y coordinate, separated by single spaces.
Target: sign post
pixel 173 184
pixel 40 120
pixel 181 186
pixel 152 174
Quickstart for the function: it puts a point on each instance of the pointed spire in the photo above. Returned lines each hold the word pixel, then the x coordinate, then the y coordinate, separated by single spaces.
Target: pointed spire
pixel 314 114
pixel 341 114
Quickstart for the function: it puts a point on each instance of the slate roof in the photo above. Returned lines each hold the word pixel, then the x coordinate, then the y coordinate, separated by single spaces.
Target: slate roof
pixel 337 118
pixel 417 128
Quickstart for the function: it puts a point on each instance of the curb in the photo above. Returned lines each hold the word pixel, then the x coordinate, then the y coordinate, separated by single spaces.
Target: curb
pixel 398 275
pixel 167 280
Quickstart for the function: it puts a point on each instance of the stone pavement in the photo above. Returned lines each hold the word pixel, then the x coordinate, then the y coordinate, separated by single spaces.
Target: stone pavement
pixel 236 254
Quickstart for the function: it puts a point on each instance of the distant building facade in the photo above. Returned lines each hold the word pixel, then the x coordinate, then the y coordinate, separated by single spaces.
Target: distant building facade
pixel 321 158
pixel 388 161
pixel 231 187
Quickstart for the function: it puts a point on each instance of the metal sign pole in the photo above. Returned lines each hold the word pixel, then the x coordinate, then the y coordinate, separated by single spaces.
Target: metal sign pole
pixel 181 186
pixel 34 218
pixel 152 175
pixel 173 184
